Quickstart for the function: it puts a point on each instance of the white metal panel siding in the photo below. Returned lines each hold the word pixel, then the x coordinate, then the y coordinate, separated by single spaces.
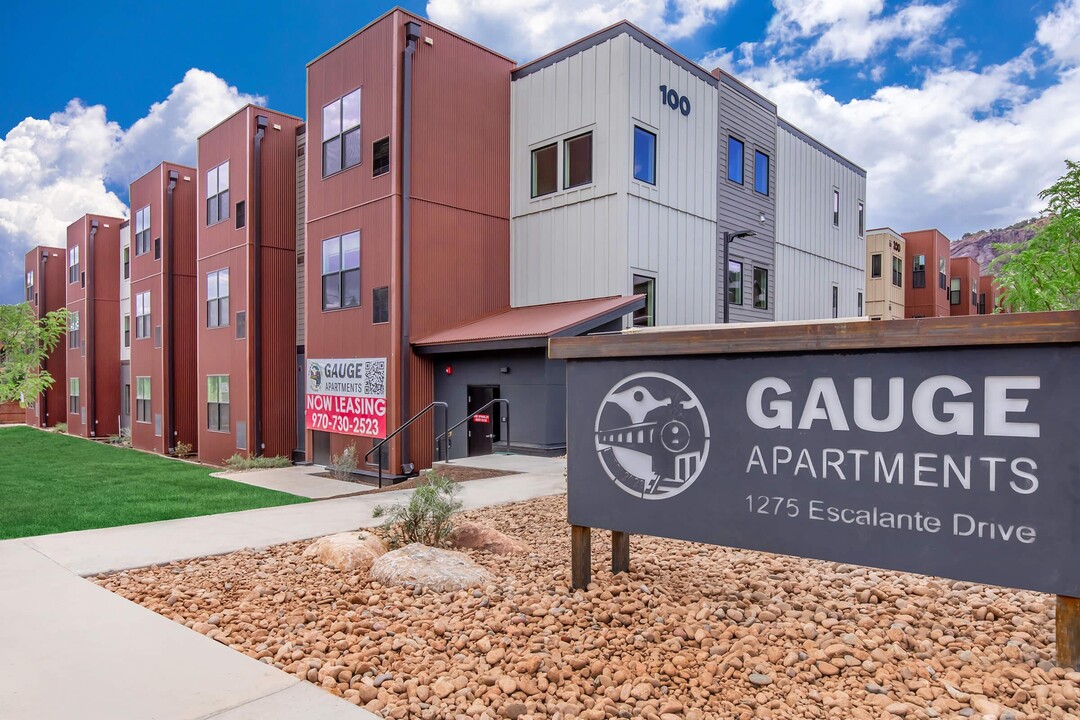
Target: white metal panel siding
pixel 815 253
pixel 739 207
pixel 570 244
pixel 125 292
pixel 671 226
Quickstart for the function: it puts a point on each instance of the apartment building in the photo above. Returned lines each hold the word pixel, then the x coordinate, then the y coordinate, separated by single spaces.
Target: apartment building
pixel 125 329
pixel 963 286
pixel 93 339
pixel 401 242
pixel 885 259
pixel 46 291
pixel 820 230
pixel 245 285
pixel 990 296
pixel 746 201
pixel 162 392
pixel 927 293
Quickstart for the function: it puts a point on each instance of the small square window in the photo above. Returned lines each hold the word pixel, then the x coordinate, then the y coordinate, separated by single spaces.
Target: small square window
pixel 644 155
pixel 545 170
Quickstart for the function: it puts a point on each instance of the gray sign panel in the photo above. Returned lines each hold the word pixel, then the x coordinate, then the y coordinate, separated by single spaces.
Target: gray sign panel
pixel 963 463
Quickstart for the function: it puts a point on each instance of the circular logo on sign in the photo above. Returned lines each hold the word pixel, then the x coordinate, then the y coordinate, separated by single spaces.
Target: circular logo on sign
pixel 652 435
pixel 314 377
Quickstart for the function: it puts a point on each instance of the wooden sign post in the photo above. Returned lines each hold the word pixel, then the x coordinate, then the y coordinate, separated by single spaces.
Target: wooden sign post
pixel 940 446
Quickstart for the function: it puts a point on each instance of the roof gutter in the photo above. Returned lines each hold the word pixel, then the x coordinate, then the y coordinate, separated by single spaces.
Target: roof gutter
pixel 256 310
pixel 412 34
pixel 88 336
pixel 169 356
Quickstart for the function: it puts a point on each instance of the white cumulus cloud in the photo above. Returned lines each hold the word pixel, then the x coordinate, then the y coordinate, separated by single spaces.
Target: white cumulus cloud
pixel 1059 31
pixel 527 29
pixel 54 170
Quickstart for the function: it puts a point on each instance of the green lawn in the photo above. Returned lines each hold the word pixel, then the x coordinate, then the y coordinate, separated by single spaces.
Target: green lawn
pixel 53 483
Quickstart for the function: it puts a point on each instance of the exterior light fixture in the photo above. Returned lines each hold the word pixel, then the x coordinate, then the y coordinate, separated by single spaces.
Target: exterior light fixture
pixel 728 237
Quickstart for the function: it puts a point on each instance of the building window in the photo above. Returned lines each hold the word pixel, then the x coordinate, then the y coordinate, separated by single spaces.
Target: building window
pixel 734 279
pixel 73 395
pixel 341 134
pixel 217 403
pixel 241 325
pixel 142 315
pixel 918 271
pixel 142 399
pixel 73 264
pixel 858 304
pixel 142 231
pixel 835 207
pixel 954 291
pixel 341 271
pixel 898 272
pixel 73 330
pixel 982 303
pixel 862 219
pixel 380 157
pixel 875 265
pixel 127 262
pixel 761 172
pixel 217 298
pixel 577 161
pixel 941 273
pixel 545 170
pixel 380 305
pixel 761 288
pixel 127 330
pixel 127 398
pixel 735 160
pixel 241 214
pixel 646 316
pixel 835 301
pixel 29 285
pixel 644 155
pixel 974 294
pixel 217 194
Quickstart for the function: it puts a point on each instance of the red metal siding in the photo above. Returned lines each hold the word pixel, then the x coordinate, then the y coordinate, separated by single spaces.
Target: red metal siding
pixel 967 269
pixel 50 293
pixel 932 300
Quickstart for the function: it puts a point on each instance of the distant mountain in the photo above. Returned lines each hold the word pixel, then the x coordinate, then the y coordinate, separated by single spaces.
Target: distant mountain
pixel 980 245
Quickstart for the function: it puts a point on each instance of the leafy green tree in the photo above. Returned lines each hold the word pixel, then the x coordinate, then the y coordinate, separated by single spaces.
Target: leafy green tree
pixel 25 342
pixel 1044 274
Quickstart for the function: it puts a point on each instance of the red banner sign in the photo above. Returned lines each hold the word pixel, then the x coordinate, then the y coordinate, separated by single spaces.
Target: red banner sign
pixel 347 396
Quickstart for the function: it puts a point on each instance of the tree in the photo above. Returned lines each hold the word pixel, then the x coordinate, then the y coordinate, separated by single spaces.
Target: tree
pixel 25 342
pixel 1044 274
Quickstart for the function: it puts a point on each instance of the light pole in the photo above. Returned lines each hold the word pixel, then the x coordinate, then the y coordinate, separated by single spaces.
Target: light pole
pixel 728 237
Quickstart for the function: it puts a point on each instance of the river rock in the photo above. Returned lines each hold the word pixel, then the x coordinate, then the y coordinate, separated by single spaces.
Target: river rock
pixel 420 566
pixel 474 536
pixel 348 552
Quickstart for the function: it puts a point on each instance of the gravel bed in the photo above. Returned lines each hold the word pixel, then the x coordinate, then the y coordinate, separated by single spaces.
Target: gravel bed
pixel 693 631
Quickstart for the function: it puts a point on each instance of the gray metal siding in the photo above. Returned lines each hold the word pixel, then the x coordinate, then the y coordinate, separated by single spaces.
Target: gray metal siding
pixel 739 207
pixel 811 252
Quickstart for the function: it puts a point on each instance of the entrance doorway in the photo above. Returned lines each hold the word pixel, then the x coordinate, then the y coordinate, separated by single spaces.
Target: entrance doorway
pixel 484 425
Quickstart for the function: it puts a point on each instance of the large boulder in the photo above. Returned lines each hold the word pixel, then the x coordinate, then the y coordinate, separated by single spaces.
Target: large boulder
pixel 474 536
pixel 421 566
pixel 350 551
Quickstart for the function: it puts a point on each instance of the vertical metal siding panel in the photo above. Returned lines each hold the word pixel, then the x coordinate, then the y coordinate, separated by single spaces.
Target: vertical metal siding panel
pixel 301 244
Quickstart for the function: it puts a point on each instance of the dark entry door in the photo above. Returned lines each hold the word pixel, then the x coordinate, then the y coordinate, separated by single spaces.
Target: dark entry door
pixel 483 425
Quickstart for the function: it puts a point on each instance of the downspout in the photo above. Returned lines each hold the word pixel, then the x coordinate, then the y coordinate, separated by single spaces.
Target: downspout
pixel 256 311
pixel 43 257
pixel 412 34
pixel 88 299
pixel 170 355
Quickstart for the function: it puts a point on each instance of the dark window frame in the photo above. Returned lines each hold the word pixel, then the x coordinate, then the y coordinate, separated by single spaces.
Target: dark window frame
pixel 898 271
pixel 380 305
pixel 73 265
pixel 143 405
pixel 859 303
pixel 862 219
pixel 217 410
pixel 735 284
pixel 73 395
pixel 650 176
pixel 344 134
pixel 73 330
pixel 217 305
pixel 646 316
pixel 142 321
pixel 127 262
pixel 342 273
pixel 955 290
pixel 918 271
pixel 379 166
pixel 875 265
pixel 219 200
pixel 836 207
pixel 942 271
pixel 764 302
pixel 566 145
pixel 127 330
pixel 835 301
pixel 742 160
pixel 534 191
pixel 142 231
pixel 758 155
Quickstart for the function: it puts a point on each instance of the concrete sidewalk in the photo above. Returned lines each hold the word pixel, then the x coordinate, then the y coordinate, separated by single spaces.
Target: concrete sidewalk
pixel 302 480
pixel 73 649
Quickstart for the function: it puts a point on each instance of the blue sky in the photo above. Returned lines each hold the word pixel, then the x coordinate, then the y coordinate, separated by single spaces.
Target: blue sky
pixel 961 110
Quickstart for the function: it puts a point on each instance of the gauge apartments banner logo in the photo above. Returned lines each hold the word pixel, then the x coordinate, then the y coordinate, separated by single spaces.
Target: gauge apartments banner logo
pixel 347 396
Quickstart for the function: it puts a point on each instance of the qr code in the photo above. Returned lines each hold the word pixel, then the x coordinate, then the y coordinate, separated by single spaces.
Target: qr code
pixel 375 378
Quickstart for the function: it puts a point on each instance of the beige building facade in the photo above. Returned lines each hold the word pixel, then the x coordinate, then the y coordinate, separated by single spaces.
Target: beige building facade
pixel 884 274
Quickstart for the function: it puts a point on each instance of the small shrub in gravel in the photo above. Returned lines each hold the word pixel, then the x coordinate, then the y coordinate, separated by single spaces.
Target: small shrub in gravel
pixel 343 466
pixel 183 449
pixel 425 517
pixel 256 462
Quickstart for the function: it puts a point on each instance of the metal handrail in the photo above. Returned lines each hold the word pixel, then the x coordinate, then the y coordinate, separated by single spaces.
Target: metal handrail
pixel 410 421
pixel 470 416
